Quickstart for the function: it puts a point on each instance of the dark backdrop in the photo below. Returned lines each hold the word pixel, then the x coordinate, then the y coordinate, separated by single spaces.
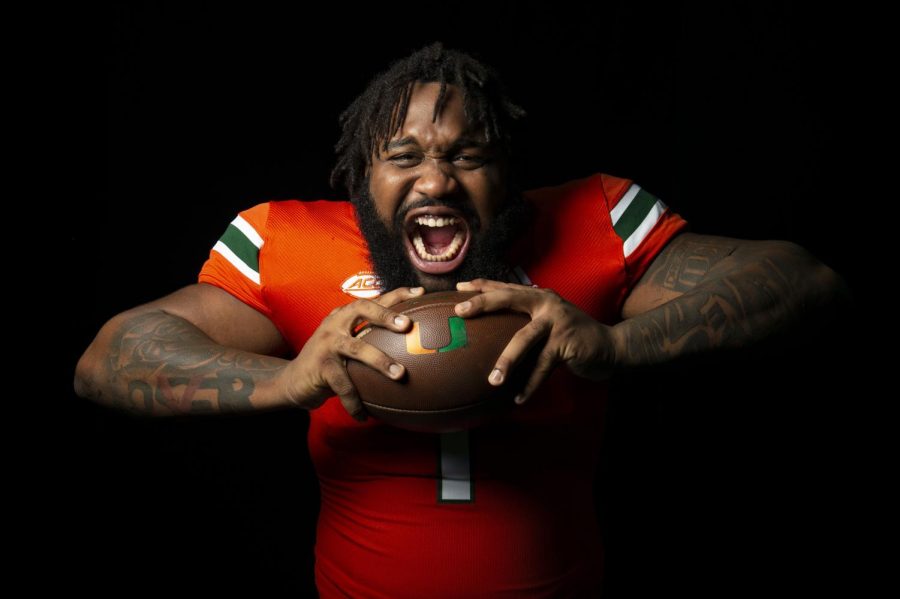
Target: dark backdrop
pixel 714 479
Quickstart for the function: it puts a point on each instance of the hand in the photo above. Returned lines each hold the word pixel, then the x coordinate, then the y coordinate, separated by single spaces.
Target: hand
pixel 587 347
pixel 320 370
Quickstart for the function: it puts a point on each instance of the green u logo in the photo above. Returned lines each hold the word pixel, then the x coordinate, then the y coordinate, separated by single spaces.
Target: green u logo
pixel 458 338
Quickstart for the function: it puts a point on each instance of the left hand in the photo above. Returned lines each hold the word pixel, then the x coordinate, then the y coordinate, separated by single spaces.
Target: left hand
pixel 586 346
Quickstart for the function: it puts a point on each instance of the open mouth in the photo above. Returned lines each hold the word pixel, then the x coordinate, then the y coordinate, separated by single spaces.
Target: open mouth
pixel 437 239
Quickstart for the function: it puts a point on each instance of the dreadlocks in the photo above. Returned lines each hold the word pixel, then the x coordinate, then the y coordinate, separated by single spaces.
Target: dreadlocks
pixel 381 109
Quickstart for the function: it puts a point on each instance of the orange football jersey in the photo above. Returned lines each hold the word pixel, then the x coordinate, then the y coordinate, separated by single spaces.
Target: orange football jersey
pixel 502 510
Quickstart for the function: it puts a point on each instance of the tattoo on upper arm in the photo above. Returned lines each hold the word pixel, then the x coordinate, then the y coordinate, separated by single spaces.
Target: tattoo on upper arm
pixel 686 260
pixel 750 297
pixel 166 362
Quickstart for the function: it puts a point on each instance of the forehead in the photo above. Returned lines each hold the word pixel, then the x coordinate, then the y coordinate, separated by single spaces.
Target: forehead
pixel 448 126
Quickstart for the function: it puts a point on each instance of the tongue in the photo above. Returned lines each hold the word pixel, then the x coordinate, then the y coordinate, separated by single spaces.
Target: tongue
pixel 437 238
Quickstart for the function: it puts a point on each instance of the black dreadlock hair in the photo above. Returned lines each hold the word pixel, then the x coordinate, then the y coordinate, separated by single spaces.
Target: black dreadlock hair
pixel 372 117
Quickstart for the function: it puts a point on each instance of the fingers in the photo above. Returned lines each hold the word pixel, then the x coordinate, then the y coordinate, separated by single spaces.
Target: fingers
pixel 498 299
pixel 525 338
pixel 336 376
pixel 479 285
pixel 325 356
pixel 386 300
pixel 545 365
pixel 398 295
pixel 334 368
pixel 351 315
pixel 358 349
pixel 487 285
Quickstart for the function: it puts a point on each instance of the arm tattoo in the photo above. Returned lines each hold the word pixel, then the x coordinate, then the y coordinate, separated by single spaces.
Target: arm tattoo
pixel 761 290
pixel 685 262
pixel 161 364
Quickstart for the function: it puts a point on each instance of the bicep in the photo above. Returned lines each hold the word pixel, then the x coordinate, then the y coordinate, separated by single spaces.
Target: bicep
pixel 681 265
pixel 224 318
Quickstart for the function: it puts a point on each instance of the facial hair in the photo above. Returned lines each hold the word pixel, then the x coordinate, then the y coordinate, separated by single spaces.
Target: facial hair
pixel 487 248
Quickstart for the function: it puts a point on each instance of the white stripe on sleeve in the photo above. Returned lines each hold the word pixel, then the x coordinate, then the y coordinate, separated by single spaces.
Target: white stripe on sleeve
pixel 617 212
pixel 248 230
pixel 236 262
pixel 635 239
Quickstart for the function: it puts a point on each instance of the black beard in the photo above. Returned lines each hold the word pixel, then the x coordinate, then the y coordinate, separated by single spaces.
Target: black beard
pixel 487 248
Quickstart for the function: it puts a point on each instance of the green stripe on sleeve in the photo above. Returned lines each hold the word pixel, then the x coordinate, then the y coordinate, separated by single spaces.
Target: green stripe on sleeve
pixel 635 214
pixel 242 247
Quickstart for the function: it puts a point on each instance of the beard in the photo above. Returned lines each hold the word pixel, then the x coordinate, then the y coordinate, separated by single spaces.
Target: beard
pixel 487 247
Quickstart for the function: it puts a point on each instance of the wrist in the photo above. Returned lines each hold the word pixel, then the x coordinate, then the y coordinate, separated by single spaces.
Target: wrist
pixel 617 334
pixel 273 392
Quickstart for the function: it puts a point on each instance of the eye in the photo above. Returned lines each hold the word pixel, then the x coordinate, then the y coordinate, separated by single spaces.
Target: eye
pixel 405 159
pixel 470 161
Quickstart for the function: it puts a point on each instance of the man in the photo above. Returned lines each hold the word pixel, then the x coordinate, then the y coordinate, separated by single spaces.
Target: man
pixel 609 276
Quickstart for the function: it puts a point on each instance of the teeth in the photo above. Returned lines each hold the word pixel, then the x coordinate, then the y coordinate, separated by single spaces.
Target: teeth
pixel 448 254
pixel 430 221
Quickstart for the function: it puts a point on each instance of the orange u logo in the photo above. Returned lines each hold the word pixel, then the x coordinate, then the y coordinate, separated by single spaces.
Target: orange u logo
pixel 458 338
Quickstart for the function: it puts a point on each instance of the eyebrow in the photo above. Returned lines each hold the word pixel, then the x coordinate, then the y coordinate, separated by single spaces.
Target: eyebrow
pixel 462 142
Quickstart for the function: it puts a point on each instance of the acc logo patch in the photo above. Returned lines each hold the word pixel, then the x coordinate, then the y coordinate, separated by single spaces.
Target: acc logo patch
pixel 363 285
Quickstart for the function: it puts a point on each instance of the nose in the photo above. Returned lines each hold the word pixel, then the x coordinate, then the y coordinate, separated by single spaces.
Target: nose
pixel 436 178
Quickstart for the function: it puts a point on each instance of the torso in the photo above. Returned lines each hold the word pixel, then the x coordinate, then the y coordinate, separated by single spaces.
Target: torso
pixel 525 519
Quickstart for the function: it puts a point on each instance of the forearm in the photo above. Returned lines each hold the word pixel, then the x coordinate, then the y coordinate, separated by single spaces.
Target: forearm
pixel 752 296
pixel 156 364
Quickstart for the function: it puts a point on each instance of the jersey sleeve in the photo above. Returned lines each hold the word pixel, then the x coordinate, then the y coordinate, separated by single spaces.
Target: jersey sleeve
pixel 643 223
pixel 235 260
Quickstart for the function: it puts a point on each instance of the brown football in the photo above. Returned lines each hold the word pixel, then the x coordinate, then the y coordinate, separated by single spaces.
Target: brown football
pixel 447 360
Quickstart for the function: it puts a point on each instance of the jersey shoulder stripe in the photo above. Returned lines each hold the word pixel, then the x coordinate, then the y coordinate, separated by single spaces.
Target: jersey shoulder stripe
pixel 635 215
pixel 240 245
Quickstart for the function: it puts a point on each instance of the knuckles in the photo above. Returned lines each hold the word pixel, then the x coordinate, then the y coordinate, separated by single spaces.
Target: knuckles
pixel 385 315
pixel 344 388
pixel 554 296
pixel 348 346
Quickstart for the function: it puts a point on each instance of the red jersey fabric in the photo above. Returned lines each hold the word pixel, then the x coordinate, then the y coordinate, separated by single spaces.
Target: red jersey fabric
pixel 505 510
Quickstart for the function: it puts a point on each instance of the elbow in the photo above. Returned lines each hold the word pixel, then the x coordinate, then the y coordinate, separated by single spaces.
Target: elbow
pixel 825 286
pixel 822 290
pixel 834 288
pixel 91 371
pixel 85 377
pixel 92 374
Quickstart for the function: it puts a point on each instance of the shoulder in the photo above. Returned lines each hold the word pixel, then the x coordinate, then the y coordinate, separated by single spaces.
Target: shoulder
pixel 268 218
pixel 308 208
pixel 599 188
pixel 296 215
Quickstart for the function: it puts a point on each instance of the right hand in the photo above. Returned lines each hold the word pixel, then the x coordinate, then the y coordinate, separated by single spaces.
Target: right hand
pixel 320 369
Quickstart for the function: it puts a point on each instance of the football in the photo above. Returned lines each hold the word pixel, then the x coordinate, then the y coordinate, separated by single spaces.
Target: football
pixel 447 360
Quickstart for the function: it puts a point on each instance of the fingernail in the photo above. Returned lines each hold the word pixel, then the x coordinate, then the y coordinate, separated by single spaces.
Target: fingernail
pixel 519 399
pixel 496 376
pixel 463 307
pixel 400 321
pixel 461 283
pixel 417 290
pixel 396 370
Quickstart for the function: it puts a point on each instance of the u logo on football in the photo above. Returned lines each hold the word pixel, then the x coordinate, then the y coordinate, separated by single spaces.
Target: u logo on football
pixel 458 338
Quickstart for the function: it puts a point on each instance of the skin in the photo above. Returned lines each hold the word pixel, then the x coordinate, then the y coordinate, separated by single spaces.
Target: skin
pixel 435 163
pixel 202 350
pixel 702 293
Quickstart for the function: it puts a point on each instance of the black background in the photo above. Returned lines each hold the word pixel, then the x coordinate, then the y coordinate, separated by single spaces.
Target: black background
pixel 733 477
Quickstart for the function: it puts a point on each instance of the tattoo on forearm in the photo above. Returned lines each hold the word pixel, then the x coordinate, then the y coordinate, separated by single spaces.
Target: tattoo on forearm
pixel 164 364
pixel 738 303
